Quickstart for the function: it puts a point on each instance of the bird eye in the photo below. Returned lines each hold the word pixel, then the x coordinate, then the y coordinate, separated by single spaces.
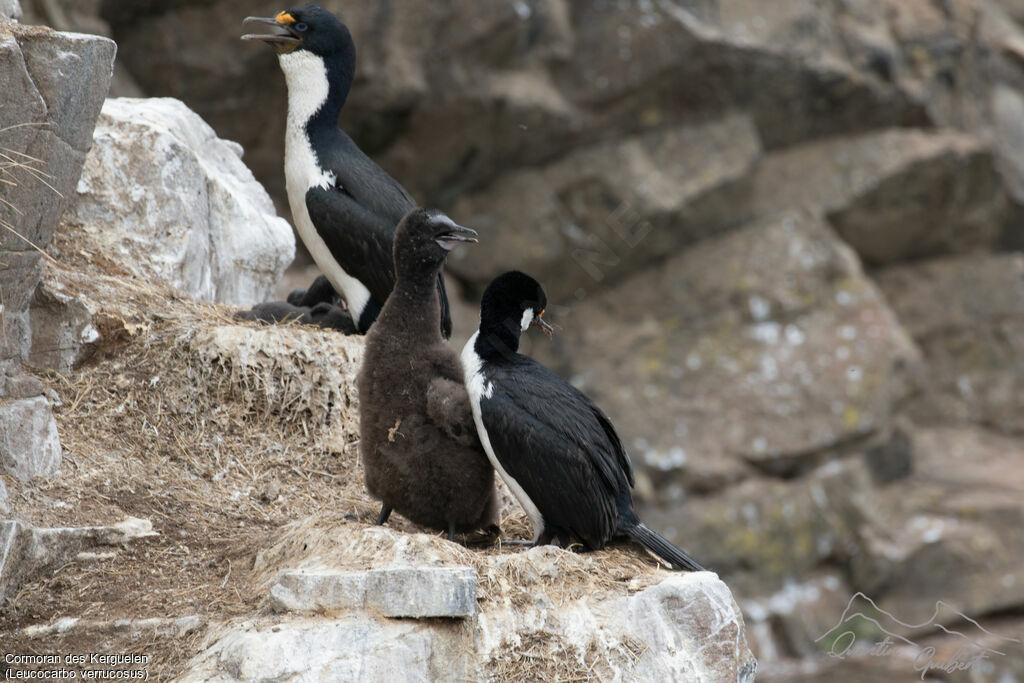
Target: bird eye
pixel 301 26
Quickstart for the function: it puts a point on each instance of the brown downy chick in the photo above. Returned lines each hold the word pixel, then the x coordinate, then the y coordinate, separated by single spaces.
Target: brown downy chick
pixel 418 442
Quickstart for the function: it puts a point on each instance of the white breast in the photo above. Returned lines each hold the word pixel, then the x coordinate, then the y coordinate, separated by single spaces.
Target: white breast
pixel 306 76
pixel 478 387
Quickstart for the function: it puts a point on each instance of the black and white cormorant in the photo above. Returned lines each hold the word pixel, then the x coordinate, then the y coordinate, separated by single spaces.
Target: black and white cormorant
pixel 556 450
pixel 344 205
pixel 417 439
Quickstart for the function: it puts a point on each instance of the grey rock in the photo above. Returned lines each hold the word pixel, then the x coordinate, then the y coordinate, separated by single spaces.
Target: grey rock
pixel 942 535
pixel 685 627
pixel 1008 112
pixel 29 444
pixel 79 16
pixel 63 334
pixel 785 622
pixel 27 552
pixel 5 503
pixel 161 627
pixel 517 85
pixel 759 348
pixel 207 227
pixel 14 382
pixel 658 619
pixel 422 591
pixel 893 195
pixel 763 532
pixel 313 590
pixel 632 54
pixel 917 47
pixel 967 316
pixel 417 592
pixel 10 10
pixel 857 667
pixel 54 85
pixel 341 649
pixel 643 198
pixel 938 535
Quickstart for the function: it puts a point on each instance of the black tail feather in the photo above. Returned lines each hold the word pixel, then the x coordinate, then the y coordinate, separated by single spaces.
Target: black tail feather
pixel 662 548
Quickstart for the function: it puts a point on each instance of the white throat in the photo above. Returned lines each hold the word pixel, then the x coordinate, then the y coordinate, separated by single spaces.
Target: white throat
pixel 306 76
pixel 527 319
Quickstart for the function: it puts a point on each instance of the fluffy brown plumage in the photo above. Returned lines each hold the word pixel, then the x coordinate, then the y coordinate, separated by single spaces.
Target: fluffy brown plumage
pixel 418 442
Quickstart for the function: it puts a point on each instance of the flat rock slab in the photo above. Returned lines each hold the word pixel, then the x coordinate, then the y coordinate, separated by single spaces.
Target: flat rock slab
pixel 165 627
pixel 417 592
pixel 29 443
pixel 26 552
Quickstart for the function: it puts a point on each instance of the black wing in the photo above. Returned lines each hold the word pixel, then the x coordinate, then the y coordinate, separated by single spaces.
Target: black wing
pixel 359 240
pixel 358 216
pixel 558 446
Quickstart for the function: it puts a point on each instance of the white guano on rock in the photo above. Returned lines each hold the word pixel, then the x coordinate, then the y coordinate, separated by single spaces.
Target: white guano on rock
pixel 161 191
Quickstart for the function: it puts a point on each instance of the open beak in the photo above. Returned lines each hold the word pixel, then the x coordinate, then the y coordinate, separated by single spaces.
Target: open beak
pixel 544 326
pixel 285 40
pixel 455 234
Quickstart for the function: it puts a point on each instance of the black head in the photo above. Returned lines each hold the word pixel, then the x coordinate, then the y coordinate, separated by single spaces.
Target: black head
pixel 306 27
pixel 512 303
pixel 423 239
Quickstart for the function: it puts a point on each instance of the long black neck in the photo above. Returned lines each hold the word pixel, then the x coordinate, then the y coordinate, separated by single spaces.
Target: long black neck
pixel 341 69
pixel 498 339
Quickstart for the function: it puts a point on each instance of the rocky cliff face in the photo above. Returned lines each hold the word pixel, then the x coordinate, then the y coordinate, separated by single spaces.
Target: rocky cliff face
pixel 783 245
pixel 54 84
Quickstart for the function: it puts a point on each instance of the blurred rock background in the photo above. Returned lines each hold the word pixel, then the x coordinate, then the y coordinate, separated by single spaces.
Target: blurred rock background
pixel 782 243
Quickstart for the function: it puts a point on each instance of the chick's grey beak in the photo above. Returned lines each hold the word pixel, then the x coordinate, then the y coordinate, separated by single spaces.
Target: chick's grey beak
pixel 544 326
pixel 454 235
pixel 287 38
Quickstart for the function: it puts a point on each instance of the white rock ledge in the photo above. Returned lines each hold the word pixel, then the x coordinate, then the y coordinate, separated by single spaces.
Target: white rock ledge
pixel 417 592
pixel 335 628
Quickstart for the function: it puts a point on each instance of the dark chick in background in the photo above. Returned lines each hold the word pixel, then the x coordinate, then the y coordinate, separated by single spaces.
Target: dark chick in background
pixel 417 438
pixel 556 450
pixel 345 207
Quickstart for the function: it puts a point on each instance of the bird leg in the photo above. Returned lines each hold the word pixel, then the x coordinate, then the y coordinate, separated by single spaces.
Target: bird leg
pixel 451 531
pixel 385 512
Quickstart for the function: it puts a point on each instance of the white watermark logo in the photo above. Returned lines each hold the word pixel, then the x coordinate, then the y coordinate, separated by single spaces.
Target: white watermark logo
pixel 863 615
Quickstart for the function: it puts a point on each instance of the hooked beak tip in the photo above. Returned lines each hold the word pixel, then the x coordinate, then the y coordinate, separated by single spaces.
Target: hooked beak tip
pixel 544 326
